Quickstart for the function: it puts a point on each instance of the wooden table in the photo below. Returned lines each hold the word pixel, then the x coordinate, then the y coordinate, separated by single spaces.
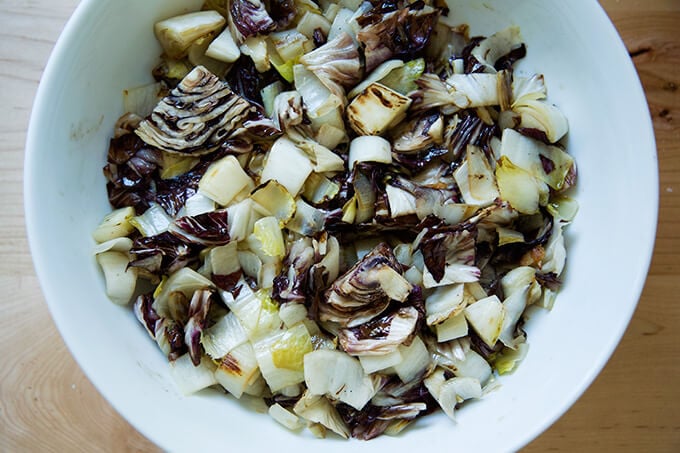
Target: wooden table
pixel 47 404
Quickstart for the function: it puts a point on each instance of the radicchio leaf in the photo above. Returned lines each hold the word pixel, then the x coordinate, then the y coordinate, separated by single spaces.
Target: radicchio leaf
pixel 549 280
pixel 446 248
pixel 198 314
pixel 172 193
pixel 196 117
pixel 395 400
pixel 291 284
pixel 536 134
pixel 468 130
pixel 381 335
pixel 168 334
pixel 535 239
pixel 508 60
pixel 316 287
pixel 259 125
pixel 401 34
pixel 417 161
pixel 472 65
pixel 131 166
pixel 163 253
pixel 247 82
pixel 249 18
pixel 372 421
pixel 282 12
pixel 145 313
pixel 172 333
pixel 365 291
pixel 210 228
pixel 336 64
pixel 229 282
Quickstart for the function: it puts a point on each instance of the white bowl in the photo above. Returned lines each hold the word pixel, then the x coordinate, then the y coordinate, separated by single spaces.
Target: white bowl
pixel 109 45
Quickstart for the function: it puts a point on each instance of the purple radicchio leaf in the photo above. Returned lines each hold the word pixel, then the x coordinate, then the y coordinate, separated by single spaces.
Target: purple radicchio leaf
pixel 249 18
pixel 381 335
pixel 291 284
pixel 366 290
pixel 402 33
pixel 365 424
pixel 172 193
pixel 534 239
pixel 172 333
pixel 446 248
pixel 133 178
pixel 394 401
pixel 259 125
pixel 162 254
pixel 471 130
pixel 549 280
pixel 228 282
pixel 472 65
pixel 210 228
pixel 168 333
pixel 247 82
pixel 198 314
pixel 536 134
pixel 282 12
pixel 145 313
pixel 129 172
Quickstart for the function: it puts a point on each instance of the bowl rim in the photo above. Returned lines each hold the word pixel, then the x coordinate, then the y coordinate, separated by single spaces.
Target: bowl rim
pixel 31 200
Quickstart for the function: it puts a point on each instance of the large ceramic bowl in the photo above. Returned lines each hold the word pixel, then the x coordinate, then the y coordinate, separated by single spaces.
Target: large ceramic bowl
pixel 109 45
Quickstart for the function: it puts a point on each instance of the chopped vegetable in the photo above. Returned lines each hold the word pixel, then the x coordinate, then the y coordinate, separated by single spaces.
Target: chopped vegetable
pixel 249 18
pixel 224 47
pixel 368 148
pixel 224 180
pixel 341 210
pixel 120 280
pixel 176 34
pixel 376 110
pixel 114 225
pixel 285 417
pixel 288 165
pixel 336 63
pixel 337 376
pixel 190 378
pixel 195 117
pixel 486 317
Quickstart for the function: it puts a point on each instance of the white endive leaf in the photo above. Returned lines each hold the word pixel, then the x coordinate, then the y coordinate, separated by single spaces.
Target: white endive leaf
pixel 318 409
pixel 120 280
pixel 189 378
pixel 501 43
pixel 543 116
pixel 338 376
pixel 486 317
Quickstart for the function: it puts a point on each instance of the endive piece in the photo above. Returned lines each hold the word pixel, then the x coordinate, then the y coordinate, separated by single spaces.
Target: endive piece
pixel 377 109
pixel 339 377
pixel 120 280
pixel 486 317
pixel 177 33
pixel 114 225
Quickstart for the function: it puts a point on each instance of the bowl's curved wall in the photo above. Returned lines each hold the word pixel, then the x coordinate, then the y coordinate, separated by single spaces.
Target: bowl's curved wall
pixel 108 46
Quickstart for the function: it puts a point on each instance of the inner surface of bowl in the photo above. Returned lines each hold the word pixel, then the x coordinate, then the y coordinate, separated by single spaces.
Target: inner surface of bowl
pixel 109 46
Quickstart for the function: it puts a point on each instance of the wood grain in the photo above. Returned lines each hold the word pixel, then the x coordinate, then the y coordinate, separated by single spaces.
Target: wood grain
pixel 46 403
pixel 633 404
